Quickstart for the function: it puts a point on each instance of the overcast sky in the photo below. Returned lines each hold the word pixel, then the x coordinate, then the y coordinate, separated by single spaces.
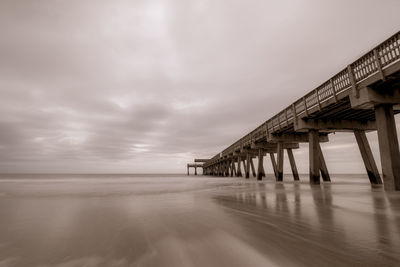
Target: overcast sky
pixel 146 86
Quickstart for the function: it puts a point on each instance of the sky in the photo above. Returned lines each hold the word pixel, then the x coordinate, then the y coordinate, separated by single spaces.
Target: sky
pixel 145 86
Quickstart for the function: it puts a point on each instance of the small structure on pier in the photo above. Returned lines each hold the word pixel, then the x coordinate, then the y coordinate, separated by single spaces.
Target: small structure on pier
pixel 362 97
pixel 196 165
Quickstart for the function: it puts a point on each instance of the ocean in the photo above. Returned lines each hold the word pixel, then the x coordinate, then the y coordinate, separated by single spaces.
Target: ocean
pixel 177 220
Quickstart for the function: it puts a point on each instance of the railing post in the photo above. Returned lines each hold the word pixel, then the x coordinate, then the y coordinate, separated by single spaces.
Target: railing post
pixel 318 101
pixel 279 120
pixel 355 91
pixel 378 64
pixel 305 105
pixel 333 89
pixel 294 114
pixel 287 122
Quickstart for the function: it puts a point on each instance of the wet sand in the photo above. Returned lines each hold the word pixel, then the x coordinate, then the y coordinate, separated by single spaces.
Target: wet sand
pixel 159 220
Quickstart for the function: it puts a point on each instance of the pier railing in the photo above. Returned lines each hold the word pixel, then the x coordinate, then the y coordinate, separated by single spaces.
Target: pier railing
pixel 372 63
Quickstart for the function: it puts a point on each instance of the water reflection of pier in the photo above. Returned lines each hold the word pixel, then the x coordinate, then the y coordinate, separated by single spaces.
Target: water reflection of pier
pixel 321 223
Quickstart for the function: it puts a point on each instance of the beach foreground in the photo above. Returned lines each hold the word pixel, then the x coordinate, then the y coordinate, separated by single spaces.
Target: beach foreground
pixel 172 220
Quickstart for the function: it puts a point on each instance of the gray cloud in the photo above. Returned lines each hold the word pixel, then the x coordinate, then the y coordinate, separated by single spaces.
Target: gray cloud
pixel 145 86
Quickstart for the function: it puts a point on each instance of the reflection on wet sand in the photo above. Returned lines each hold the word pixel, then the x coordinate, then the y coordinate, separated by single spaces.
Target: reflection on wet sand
pixel 180 221
pixel 321 225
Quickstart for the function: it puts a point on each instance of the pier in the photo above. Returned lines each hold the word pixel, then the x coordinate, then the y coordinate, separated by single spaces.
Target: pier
pixel 362 97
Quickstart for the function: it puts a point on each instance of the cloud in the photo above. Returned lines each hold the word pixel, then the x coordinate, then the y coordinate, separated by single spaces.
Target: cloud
pixel 146 86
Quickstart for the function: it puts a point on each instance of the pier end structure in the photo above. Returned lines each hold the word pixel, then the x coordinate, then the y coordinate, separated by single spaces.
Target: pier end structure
pixel 194 166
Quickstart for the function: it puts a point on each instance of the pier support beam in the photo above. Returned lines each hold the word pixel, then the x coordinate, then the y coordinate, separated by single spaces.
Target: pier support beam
pixel 280 150
pixel 247 166
pixel 224 168
pixel 195 166
pixel 252 167
pixel 388 146
pixel 368 158
pixel 322 167
pixel 239 169
pixel 260 169
pixel 271 155
pixel 382 97
pixel 292 164
pixel 316 160
pixel 336 125
pixel 297 137
pixel 314 157
pixel 233 170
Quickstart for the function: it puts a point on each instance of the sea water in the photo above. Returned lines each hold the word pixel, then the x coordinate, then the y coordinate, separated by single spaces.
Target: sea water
pixel 177 220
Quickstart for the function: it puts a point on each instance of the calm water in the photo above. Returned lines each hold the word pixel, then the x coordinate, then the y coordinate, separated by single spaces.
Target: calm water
pixel 159 220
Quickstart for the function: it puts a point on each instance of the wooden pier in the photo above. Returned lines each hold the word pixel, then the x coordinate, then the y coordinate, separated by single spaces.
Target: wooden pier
pixel 362 97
